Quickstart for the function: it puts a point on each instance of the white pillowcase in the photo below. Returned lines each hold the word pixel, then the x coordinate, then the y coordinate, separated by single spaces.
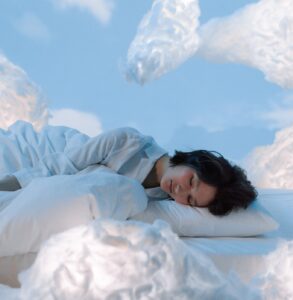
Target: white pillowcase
pixel 51 205
pixel 197 222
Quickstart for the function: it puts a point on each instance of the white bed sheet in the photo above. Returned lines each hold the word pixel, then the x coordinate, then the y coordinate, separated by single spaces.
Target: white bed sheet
pixel 246 256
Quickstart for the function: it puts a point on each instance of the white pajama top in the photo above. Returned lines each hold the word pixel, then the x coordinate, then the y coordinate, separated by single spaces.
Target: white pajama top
pixel 58 150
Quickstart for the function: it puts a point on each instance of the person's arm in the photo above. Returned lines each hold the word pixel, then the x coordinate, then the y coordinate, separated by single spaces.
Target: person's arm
pixel 111 148
pixel 9 183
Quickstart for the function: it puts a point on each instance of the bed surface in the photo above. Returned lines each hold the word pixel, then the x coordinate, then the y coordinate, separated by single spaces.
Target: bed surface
pixel 246 256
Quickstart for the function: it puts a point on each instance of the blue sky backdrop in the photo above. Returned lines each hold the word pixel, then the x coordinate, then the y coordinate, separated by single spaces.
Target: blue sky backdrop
pixel 78 60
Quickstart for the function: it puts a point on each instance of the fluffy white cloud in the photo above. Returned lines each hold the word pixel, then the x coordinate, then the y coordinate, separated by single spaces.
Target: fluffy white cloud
pixel 20 98
pixel 82 121
pixel 166 37
pixel 272 166
pixel 123 260
pixel 32 26
pixel 100 9
pixel 260 35
pixel 277 282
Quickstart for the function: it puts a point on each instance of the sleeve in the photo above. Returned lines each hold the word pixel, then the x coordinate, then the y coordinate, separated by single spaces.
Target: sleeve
pixel 111 148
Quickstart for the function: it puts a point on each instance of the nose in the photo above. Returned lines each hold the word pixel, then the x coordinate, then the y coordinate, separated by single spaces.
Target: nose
pixel 180 190
pixel 177 189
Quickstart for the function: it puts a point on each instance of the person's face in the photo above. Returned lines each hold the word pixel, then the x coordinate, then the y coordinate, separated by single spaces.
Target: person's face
pixel 184 186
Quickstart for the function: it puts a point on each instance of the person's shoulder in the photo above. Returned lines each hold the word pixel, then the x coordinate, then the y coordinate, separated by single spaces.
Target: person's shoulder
pixel 127 129
pixel 124 131
pixel 127 135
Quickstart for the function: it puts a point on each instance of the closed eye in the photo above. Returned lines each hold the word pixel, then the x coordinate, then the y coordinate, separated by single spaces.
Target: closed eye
pixel 191 181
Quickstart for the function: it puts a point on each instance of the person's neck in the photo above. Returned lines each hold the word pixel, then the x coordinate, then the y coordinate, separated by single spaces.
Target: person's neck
pixel 153 179
pixel 162 165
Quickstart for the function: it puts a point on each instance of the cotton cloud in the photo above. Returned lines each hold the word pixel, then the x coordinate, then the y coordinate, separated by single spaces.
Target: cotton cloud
pixel 123 260
pixel 32 26
pixel 276 283
pixel 20 98
pixel 166 37
pixel 271 166
pixel 100 9
pixel 82 121
pixel 259 35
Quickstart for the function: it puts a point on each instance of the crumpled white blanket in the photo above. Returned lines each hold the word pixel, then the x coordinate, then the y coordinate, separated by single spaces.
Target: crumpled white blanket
pixel 50 205
pixel 22 147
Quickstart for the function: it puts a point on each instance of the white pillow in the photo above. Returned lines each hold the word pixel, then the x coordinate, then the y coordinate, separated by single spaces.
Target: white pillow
pixel 50 205
pixel 194 222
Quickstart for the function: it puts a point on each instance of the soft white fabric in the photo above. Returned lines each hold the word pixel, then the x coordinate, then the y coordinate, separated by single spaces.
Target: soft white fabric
pixel 21 147
pixel 54 204
pixel 7 197
pixel 248 256
pixel 58 150
pixel 194 221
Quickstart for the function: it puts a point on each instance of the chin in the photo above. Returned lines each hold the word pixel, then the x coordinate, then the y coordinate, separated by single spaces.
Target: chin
pixel 163 186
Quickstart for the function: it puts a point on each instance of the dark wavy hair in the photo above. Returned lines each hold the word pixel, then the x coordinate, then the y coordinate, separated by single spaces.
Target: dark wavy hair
pixel 234 190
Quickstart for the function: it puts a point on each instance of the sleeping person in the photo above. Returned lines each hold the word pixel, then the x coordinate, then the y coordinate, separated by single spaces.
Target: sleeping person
pixel 198 178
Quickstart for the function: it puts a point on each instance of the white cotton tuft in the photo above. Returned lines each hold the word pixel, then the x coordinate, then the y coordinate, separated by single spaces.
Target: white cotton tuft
pixel 166 37
pixel 20 98
pixel 124 260
pixel 259 35
pixel 271 166
pixel 276 283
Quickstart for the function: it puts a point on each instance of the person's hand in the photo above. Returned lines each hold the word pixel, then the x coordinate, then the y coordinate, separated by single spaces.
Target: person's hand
pixel 9 183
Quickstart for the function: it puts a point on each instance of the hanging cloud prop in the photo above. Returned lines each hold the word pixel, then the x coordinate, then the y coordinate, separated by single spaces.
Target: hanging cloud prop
pixel 275 283
pixel 166 37
pixel 20 98
pixel 260 35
